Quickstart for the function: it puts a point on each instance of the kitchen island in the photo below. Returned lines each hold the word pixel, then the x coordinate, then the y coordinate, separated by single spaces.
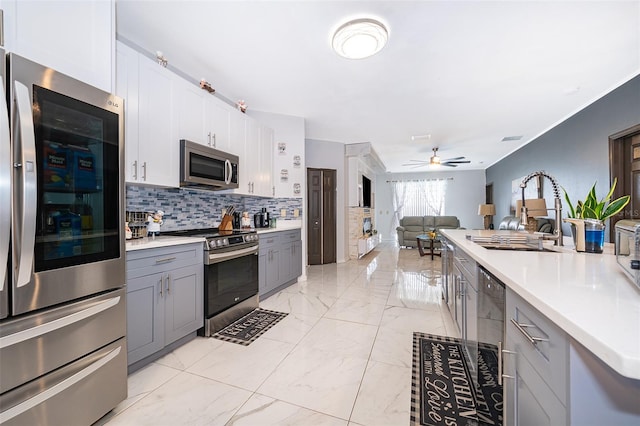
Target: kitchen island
pixel 595 309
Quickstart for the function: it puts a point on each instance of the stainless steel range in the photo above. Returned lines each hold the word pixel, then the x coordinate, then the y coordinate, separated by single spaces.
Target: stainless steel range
pixel 230 275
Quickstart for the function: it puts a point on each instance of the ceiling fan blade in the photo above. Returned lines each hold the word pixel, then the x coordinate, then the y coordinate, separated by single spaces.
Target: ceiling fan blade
pixel 448 164
pixel 453 159
pixel 422 163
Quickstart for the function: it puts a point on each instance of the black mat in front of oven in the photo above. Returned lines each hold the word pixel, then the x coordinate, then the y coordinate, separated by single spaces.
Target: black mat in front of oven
pixel 442 390
pixel 251 326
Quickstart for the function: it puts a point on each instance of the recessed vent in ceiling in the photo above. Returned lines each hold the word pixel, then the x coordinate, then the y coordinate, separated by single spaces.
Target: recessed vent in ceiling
pixel 511 138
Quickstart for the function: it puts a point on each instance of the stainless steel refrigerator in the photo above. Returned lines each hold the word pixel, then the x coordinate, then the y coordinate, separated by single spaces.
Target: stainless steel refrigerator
pixel 62 259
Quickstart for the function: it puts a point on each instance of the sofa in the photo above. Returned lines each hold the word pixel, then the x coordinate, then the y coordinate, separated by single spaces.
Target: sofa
pixel 412 226
pixel 512 223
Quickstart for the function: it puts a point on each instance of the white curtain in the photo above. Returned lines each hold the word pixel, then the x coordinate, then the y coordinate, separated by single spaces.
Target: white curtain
pixel 418 198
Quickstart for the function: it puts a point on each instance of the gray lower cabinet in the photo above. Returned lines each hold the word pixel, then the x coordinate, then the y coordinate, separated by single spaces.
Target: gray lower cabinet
pixel 536 360
pixel 164 297
pixel 279 260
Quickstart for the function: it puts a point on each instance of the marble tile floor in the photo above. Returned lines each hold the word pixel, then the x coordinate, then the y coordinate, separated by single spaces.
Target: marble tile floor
pixel 341 357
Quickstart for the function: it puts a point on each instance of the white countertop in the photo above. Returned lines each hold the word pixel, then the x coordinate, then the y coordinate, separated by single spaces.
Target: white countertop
pixel 160 241
pixel 282 225
pixel 585 294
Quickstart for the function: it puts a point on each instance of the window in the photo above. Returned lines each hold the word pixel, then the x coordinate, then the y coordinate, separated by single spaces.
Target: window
pixel 418 198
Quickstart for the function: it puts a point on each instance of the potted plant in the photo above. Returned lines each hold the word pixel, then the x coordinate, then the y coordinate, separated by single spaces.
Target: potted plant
pixel 595 212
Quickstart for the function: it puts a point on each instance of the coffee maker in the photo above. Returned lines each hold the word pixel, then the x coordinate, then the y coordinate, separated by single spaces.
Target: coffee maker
pixel 261 220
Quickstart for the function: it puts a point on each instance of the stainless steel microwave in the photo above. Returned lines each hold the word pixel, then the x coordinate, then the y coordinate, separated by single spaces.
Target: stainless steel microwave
pixel 207 168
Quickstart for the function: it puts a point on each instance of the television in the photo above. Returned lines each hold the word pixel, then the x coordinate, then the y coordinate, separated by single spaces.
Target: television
pixel 366 191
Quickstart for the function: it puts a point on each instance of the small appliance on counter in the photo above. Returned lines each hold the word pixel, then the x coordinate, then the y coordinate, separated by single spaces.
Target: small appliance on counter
pixel 261 220
pixel 627 248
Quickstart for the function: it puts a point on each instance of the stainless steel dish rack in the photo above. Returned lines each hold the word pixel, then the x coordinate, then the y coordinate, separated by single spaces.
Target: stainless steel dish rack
pixel 137 223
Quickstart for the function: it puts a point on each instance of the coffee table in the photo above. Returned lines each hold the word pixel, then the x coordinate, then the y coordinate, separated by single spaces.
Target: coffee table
pixel 424 238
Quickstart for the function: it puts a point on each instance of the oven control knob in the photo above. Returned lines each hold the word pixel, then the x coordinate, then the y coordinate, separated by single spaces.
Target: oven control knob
pixel 212 244
pixel 224 242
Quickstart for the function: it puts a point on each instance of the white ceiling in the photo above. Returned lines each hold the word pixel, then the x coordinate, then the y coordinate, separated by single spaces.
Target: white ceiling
pixel 468 73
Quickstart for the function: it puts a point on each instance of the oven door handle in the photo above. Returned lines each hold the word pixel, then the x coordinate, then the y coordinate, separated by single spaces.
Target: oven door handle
pixel 221 257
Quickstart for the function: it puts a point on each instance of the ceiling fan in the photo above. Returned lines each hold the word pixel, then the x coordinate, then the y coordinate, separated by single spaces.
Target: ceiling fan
pixel 437 161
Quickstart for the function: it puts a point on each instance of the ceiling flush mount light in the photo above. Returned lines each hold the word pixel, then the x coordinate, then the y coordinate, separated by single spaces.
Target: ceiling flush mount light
pixel 359 38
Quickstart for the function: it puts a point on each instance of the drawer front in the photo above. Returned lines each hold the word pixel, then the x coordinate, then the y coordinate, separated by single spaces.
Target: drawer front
pixel 67 333
pixel 293 235
pixel 79 393
pixel 540 341
pixel 269 241
pixel 151 261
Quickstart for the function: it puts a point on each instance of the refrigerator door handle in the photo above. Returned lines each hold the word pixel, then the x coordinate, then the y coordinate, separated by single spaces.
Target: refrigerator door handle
pixel 5 191
pixel 26 132
pixel 48 327
pixel 58 388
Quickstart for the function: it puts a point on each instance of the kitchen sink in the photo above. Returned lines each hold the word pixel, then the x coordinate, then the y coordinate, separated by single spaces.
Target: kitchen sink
pixel 511 242
pixel 516 247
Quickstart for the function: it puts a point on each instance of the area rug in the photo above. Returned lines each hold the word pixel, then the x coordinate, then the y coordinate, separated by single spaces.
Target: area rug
pixel 251 326
pixel 442 392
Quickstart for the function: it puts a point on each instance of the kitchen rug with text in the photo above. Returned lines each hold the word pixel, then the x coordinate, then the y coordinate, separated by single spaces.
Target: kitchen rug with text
pixel 442 391
pixel 251 326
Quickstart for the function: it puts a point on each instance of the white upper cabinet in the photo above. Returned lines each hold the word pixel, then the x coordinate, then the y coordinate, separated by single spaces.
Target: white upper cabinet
pixel 202 118
pixel 152 149
pixel 253 143
pixel 217 123
pixel 73 37
pixel 189 111
pixel 265 161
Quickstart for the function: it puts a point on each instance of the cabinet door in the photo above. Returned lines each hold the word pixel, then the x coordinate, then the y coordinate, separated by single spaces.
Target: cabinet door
pixel 265 162
pixel 73 37
pixel 237 138
pixel 217 123
pixel 528 399
pixel 127 89
pixel 248 173
pixel 184 309
pixel 262 274
pixel 158 151
pixel 189 110
pixel 273 269
pixel 286 261
pixel 145 316
pixel 296 259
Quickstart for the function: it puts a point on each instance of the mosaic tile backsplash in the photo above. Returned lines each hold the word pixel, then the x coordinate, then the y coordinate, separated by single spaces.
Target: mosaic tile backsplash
pixel 191 208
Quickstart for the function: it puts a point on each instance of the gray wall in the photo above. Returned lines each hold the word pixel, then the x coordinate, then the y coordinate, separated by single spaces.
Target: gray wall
pixel 330 155
pixel 464 193
pixel 575 152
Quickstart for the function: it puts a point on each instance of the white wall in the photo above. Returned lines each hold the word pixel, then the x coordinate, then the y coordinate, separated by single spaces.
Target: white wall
pixel 464 193
pixel 330 155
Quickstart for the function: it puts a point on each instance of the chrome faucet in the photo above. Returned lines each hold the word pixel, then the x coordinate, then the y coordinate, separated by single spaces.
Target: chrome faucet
pixel 557 233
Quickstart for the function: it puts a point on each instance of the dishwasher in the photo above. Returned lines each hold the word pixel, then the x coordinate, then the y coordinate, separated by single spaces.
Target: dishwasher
pixel 490 332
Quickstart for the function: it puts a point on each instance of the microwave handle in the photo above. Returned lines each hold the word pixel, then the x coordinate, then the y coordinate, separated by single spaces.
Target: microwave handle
pixel 228 172
pixel 28 198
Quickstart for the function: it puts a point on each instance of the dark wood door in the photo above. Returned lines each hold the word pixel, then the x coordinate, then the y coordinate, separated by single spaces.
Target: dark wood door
pixel 314 217
pixel 328 216
pixel 321 218
pixel 624 150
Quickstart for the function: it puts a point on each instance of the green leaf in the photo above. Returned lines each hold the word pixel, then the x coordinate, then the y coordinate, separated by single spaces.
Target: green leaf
pixel 615 207
pixel 572 211
pixel 613 187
